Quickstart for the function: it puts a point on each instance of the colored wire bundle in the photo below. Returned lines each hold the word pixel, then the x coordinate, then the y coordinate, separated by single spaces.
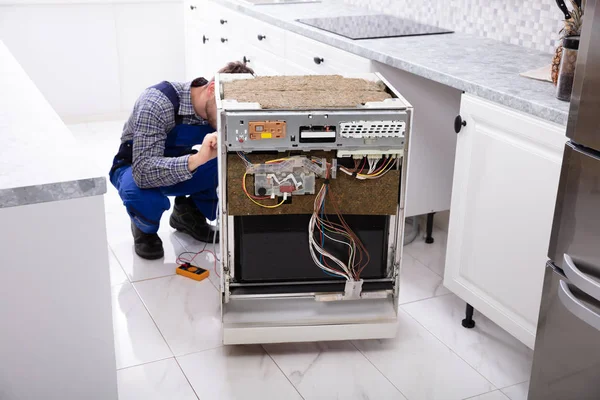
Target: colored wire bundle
pixel 323 232
pixel 373 171
pixel 321 227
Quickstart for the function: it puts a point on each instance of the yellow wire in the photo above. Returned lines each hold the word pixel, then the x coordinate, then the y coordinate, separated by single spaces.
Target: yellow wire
pixel 277 160
pixel 256 202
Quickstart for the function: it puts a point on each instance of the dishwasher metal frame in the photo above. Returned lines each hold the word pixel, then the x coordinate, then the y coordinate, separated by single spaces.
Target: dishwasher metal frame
pixel 297 317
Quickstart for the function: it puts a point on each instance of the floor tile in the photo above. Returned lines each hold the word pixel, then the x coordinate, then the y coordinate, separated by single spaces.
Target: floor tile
pixel 517 392
pixel 236 372
pixel 138 269
pixel 137 339
pixel 187 312
pixel 161 380
pixel 422 367
pixel 417 282
pixel 498 356
pixel 432 255
pixel 332 370
pixel 209 259
pixel 117 275
pixel 495 395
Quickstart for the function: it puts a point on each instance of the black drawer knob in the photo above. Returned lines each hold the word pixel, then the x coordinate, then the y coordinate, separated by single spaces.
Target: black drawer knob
pixel 223 40
pixel 192 8
pixel 245 60
pixel 223 21
pixel 318 60
pixel 459 123
pixel 261 37
pixel 204 39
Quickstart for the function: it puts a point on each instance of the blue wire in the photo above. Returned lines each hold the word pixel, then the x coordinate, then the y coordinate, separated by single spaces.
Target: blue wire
pixel 330 274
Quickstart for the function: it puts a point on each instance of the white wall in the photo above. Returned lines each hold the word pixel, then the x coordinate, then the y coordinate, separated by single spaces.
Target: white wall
pixel 91 59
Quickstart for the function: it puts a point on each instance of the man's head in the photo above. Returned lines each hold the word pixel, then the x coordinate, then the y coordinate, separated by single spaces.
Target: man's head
pixel 203 94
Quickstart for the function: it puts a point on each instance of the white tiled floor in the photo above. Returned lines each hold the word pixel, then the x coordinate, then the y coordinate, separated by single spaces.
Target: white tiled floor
pixel 168 344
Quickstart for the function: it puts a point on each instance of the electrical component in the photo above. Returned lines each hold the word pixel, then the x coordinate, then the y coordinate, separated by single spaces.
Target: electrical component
pixel 376 154
pixel 190 271
pixel 372 129
pixel 353 289
pixel 371 167
pixel 292 183
pixel 283 177
pixel 267 129
pixel 317 134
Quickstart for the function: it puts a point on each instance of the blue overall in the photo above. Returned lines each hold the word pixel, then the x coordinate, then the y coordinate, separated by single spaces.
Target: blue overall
pixel 146 206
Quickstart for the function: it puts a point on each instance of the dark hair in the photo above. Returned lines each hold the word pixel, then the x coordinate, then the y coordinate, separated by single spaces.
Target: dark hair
pixel 236 67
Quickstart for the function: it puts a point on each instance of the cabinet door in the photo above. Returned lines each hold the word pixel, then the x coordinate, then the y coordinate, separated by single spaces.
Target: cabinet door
pixel 200 42
pixel 505 183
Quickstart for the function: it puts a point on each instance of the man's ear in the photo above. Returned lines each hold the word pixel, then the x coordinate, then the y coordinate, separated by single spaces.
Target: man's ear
pixel 211 88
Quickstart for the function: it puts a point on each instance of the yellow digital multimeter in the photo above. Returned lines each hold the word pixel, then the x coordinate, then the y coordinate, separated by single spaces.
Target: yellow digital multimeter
pixel 193 272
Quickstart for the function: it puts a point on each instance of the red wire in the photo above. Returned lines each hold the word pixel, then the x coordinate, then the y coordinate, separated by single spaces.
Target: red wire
pixel 180 259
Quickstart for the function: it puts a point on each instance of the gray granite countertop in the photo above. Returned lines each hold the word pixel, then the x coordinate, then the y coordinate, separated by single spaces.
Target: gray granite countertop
pixel 40 160
pixel 479 66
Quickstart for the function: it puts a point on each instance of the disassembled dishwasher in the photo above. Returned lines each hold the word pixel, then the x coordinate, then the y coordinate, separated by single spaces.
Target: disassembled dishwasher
pixel 312 206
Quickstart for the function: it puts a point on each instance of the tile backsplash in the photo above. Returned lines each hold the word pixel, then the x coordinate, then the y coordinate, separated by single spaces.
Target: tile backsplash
pixel 532 24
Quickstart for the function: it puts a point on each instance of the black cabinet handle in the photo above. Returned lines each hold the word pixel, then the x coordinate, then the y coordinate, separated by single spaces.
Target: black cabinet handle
pixel 223 21
pixel 245 60
pixel 192 8
pixel 223 40
pixel 261 37
pixel 459 123
pixel 318 60
pixel 204 39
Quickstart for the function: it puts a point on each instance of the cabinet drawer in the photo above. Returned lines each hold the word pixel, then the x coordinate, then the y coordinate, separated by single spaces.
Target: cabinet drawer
pixel 321 58
pixel 266 37
pixel 265 63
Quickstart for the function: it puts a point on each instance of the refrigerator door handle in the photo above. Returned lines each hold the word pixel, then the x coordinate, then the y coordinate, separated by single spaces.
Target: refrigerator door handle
pixel 579 279
pixel 577 307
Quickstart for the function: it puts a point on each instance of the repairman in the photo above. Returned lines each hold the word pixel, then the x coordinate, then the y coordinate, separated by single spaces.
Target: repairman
pixel 156 160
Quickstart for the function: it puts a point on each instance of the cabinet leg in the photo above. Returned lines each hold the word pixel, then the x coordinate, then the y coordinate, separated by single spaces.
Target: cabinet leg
pixel 429 238
pixel 468 321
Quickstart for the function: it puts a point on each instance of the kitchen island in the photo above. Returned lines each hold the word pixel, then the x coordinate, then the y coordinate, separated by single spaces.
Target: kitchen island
pixel 57 339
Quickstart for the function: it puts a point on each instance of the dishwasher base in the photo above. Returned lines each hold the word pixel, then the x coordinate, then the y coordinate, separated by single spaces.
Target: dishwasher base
pixel 261 321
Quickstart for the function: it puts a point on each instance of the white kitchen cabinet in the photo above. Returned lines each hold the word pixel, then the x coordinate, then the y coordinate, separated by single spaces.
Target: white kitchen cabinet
pixel 505 182
pixel 216 35
pixel 320 58
pixel 432 141
pixel 205 53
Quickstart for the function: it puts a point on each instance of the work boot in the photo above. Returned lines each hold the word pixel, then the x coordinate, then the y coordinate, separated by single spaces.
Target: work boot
pixel 188 219
pixel 147 245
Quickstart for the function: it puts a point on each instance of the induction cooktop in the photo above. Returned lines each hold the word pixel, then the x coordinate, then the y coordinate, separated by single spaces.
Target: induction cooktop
pixel 373 26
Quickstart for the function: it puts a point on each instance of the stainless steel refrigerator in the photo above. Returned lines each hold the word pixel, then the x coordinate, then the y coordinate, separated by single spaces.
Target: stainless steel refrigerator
pixel 567 349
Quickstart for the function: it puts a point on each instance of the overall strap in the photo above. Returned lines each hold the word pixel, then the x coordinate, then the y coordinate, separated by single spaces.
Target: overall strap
pixel 168 90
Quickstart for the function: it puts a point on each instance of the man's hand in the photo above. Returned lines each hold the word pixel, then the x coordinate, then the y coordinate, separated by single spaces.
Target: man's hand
pixel 207 152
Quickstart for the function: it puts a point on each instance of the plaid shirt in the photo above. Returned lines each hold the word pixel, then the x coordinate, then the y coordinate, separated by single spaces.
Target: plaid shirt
pixel 152 118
